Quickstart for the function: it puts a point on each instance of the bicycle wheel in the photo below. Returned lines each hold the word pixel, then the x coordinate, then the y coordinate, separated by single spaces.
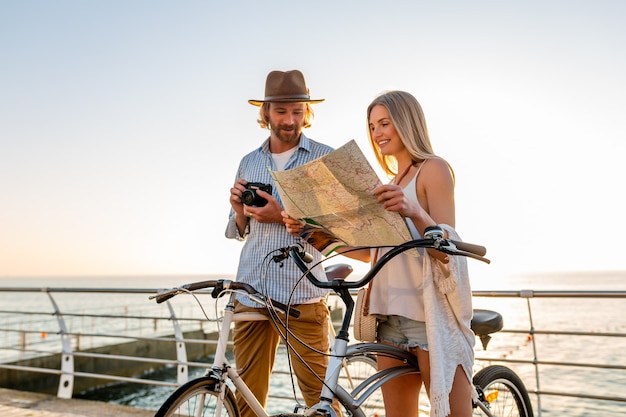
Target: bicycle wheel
pixel 356 369
pixel 503 392
pixel 368 390
pixel 198 398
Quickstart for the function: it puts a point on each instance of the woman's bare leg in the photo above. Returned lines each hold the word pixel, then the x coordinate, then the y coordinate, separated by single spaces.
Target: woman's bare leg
pixel 461 395
pixel 401 395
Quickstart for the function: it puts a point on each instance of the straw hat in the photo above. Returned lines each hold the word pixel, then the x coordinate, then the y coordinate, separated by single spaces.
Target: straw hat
pixel 285 87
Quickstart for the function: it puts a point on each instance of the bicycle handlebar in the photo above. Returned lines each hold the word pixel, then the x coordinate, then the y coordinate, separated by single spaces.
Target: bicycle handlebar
pixel 451 247
pixel 223 284
pixel 434 240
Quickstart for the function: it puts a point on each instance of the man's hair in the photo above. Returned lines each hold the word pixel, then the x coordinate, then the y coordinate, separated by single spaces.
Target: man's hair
pixel 264 119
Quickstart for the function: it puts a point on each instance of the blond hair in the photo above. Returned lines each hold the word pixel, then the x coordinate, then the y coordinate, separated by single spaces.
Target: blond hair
pixel 409 121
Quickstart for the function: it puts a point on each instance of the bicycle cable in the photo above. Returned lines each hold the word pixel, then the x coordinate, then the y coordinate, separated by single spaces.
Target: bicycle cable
pixel 285 325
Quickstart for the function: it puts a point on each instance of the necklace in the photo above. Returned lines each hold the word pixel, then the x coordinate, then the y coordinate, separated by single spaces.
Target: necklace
pixel 401 176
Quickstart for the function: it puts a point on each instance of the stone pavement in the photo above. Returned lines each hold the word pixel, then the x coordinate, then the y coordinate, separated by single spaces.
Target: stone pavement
pixel 31 404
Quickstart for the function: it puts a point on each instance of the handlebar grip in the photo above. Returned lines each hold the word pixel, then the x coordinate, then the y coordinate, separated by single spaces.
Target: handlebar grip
pixel 470 247
pixel 160 298
pixel 164 296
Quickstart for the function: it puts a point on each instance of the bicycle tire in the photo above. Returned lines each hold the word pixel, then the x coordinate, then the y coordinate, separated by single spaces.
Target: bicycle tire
pixel 200 392
pixel 503 392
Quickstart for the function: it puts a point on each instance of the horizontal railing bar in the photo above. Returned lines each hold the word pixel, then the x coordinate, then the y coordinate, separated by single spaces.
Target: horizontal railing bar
pixel 173 384
pixel 126 358
pixel 475 293
pixel 125 316
pixel 90 375
pixel 126 379
pixel 31 369
pixel 550 294
pixel 579 395
pixel 57 332
pixel 553 363
pixel 114 316
pixel 562 333
pixel 205 365
pixel 91 290
pixel 26 350
pixel 513 331
pixel 115 336
pixel 26 313
pixel 201 341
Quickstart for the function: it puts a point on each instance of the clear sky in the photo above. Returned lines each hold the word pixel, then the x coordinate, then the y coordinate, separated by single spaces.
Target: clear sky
pixel 122 122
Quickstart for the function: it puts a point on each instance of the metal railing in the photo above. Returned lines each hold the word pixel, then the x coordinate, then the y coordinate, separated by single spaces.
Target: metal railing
pixel 541 354
pixel 533 346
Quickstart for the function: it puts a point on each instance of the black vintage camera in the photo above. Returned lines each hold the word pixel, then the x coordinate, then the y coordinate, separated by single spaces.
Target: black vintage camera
pixel 249 196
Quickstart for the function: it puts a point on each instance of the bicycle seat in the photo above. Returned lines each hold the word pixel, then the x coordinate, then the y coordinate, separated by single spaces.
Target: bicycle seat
pixel 485 322
pixel 338 271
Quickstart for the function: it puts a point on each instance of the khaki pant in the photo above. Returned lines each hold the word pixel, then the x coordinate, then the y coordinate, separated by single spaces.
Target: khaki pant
pixel 256 343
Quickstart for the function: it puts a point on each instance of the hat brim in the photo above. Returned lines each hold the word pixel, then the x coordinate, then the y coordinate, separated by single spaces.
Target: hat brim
pixel 259 103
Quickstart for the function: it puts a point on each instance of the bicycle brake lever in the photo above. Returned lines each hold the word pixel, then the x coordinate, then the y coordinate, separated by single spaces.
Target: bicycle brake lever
pixel 283 253
pixel 218 290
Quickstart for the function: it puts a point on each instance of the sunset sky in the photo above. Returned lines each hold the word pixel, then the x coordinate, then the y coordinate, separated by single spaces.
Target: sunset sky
pixel 122 122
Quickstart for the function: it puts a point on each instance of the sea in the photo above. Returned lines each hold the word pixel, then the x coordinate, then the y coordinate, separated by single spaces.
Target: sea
pixel 553 341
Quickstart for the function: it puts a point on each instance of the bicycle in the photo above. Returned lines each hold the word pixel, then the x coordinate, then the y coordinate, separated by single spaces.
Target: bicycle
pixel 499 390
pixel 354 370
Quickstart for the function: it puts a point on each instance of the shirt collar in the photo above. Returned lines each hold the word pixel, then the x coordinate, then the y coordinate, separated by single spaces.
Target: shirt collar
pixel 305 144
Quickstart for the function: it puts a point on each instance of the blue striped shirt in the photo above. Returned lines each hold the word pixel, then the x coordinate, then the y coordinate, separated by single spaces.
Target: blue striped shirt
pixel 261 239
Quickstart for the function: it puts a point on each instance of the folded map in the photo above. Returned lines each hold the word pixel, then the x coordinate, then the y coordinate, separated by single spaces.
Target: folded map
pixel 334 193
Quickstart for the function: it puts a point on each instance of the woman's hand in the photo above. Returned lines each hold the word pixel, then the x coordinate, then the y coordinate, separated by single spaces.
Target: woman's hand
pixel 392 198
pixel 294 226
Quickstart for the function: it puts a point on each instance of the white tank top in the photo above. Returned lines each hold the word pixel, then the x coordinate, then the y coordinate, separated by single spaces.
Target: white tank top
pixel 398 288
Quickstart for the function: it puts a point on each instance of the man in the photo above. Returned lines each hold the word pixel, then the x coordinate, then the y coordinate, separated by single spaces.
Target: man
pixel 285 112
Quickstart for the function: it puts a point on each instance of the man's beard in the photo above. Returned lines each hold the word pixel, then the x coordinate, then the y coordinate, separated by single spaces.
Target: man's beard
pixel 286 136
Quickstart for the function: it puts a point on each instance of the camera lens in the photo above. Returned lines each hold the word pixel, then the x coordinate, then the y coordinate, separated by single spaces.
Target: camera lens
pixel 248 197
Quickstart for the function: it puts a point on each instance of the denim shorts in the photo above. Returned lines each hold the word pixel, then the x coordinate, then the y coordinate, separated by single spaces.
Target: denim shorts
pixel 402 332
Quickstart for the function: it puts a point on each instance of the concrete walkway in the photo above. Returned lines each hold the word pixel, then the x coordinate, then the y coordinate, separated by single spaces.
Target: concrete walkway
pixel 31 404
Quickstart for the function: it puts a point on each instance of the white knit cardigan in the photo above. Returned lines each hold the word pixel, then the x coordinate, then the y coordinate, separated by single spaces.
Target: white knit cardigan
pixel 448 310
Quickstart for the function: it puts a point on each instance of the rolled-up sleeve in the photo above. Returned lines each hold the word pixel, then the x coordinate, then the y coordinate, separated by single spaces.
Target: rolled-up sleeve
pixel 232 231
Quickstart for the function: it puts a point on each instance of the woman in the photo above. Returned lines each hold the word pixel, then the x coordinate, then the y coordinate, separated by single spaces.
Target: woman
pixel 422 303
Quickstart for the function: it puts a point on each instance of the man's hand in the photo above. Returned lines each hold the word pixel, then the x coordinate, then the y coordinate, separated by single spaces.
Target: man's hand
pixel 269 213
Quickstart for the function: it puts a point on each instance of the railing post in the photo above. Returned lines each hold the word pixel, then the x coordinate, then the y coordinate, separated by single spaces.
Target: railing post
pixel 182 374
pixel 528 294
pixel 66 380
